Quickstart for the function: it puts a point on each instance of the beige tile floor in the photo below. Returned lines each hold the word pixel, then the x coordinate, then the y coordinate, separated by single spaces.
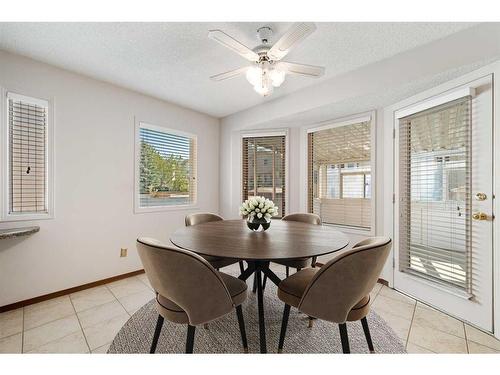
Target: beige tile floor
pixel 87 321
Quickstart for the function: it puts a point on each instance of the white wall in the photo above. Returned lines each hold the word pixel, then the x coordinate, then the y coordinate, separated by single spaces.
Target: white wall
pixel 94 181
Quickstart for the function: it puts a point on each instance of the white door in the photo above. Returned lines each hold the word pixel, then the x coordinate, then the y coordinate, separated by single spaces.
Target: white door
pixel 444 203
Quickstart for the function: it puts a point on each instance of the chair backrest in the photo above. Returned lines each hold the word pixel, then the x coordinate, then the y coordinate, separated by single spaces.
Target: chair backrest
pixel 303 218
pixel 345 280
pixel 186 279
pixel 200 218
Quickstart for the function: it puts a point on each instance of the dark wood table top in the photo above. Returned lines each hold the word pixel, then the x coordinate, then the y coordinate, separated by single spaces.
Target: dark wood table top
pixel 283 240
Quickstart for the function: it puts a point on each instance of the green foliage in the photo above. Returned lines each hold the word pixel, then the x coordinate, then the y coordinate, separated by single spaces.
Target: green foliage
pixel 158 173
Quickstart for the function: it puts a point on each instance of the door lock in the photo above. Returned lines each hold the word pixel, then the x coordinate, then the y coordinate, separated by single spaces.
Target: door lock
pixel 479 216
pixel 481 196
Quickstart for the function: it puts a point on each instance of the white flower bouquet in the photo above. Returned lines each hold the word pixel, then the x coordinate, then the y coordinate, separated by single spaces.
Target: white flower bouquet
pixel 258 211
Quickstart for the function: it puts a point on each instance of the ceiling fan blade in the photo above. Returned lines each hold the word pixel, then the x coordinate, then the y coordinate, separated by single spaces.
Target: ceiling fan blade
pixel 230 74
pixel 233 44
pixel 302 69
pixel 292 37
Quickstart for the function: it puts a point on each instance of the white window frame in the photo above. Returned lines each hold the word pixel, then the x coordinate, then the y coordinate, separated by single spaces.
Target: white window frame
pixel 137 208
pixel 335 123
pixel 5 216
pixel 266 133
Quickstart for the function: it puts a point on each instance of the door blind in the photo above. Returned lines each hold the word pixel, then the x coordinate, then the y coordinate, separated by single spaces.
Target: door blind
pixel 435 194
pixel 27 122
pixel 264 169
pixel 167 164
pixel 339 175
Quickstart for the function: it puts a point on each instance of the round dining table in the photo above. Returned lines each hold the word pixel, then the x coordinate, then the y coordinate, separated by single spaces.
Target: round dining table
pixel 284 240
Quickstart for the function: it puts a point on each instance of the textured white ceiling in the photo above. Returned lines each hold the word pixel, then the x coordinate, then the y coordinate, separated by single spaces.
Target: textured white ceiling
pixel 173 61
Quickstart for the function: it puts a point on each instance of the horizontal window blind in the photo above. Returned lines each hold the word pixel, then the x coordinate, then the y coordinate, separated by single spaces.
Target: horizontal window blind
pixel 167 175
pixel 27 126
pixel 339 174
pixel 435 194
pixel 264 169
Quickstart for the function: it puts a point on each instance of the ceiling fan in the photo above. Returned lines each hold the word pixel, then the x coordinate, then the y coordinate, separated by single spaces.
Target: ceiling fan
pixel 267 70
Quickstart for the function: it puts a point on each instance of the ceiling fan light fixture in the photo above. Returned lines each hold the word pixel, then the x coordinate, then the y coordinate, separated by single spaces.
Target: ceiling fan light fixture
pixel 264 89
pixel 277 77
pixel 254 75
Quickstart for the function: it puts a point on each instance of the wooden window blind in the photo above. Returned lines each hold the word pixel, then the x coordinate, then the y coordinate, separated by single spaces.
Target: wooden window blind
pixel 264 169
pixel 339 174
pixel 435 194
pixel 167 168
pixel 27 128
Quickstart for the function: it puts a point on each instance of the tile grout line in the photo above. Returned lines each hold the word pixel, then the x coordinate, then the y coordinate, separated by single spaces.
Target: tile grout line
pixel 79 323
pixel 117 300
pixel 466 340
pixel 411 325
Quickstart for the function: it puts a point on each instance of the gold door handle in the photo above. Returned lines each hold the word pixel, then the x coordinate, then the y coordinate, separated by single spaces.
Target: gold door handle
pixel 481 196
pixel 479 216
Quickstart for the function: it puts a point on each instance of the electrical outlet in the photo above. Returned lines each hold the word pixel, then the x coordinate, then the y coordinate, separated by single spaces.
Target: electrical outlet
pixel 123 252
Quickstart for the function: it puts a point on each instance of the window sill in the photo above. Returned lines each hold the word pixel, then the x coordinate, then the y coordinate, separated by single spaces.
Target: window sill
pixel 25 217
pixel 144 210
pixel 354 230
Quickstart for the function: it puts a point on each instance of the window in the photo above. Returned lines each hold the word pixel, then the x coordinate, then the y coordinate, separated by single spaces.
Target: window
pixel 339 170
pixel 166 168
pixel 435 190
pixel 27 158
pixel 264 169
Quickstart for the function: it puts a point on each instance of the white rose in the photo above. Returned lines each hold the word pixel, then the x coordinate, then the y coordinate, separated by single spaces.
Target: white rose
pixel 261 205
pixel 257 210
pixel 267 216
pixel 263 210
pixel 259 215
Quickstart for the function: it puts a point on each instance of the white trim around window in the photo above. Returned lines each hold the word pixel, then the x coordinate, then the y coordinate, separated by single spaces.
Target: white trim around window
pixel 5 215
pixel 266 133
pixel 137 207
pixel 329 124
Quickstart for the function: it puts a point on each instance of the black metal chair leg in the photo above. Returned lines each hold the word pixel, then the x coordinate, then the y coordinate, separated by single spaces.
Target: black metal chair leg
pixel 344 338
pixel 190 339
pixel 242 267
pixel 287 271
pixel 284 324
pixel 254 288
pixel 366 329
pixel 156 336
pixel 264 282
pixel 241 323
pixel 313 261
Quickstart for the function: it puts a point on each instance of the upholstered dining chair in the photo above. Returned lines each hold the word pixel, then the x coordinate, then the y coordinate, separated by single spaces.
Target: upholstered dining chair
pixel 339 291
pixel 205 217
pixel 189 290
pixel 300 263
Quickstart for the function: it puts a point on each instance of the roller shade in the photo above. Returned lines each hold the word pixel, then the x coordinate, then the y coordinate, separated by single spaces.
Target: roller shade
pixel 167 168
pixel 339 174
pixel 435 194
pixel 27 126
pixel 263 169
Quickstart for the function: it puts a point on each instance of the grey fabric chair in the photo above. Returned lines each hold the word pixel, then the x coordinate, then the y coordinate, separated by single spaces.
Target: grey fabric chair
pixel 339 291
pixel 205 217
pixel 189 290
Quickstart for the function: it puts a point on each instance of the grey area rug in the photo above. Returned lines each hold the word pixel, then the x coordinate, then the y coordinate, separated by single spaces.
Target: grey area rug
pixel 223 335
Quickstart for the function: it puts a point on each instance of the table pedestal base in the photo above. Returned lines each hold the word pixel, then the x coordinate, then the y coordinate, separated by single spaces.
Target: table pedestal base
pixel 260 268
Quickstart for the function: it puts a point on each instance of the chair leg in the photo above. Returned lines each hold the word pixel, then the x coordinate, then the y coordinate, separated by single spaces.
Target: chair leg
pixel 299 268
pixel 311 322
pixel 344 338
pixel 241 323
pixel 284 324
pixel 190 339
pixel 264 282
pixel 366 329
pixel 156 336
pixel 254 288
pixel 242 267
pixel 287 271
pixel 313 261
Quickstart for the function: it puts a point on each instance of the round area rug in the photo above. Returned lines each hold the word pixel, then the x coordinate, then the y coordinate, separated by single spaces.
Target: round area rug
pixel 223 335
